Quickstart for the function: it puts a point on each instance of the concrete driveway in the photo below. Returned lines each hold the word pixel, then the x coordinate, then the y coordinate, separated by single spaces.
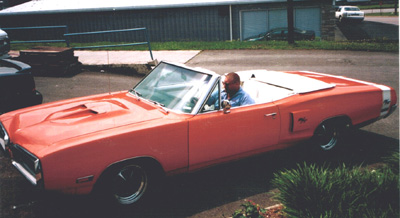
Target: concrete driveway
pixel 384 20
pixel 371 28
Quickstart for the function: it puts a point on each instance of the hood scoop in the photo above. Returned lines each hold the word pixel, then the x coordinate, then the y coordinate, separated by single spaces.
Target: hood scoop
pixel 98 107
pixel 84 111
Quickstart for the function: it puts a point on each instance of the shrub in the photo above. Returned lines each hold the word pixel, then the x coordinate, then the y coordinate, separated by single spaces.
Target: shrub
pixel 311 191
pixel 392 160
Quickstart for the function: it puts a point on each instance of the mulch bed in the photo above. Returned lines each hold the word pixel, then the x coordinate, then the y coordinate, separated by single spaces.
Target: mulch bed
pixel 275 211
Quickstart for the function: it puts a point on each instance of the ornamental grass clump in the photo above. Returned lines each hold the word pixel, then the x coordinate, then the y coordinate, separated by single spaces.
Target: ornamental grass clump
pixel 312 191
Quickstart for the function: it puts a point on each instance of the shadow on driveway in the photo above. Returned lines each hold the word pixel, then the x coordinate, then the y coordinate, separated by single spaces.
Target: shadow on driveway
pixel 369 30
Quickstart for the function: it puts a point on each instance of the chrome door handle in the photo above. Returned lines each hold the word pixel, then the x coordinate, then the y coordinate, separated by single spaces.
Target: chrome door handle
pixel 270 115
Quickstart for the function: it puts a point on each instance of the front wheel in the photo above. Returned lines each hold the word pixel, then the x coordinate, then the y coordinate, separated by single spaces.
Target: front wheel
pixel 128 184
pixel 124 185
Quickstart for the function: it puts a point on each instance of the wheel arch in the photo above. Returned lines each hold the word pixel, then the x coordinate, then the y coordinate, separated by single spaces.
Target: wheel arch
pixel 329 133
pixel 341 120
pixel 149 163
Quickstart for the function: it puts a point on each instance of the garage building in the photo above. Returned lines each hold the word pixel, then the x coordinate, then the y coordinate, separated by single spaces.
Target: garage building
pixel 173 20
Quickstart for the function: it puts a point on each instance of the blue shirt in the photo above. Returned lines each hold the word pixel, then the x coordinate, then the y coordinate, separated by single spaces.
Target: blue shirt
pixel 239 99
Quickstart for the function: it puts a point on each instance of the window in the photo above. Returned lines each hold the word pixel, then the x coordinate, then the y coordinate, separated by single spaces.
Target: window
pixel 212 102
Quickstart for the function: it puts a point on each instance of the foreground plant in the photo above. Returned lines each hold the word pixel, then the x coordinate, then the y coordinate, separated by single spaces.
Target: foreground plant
pixel 312 191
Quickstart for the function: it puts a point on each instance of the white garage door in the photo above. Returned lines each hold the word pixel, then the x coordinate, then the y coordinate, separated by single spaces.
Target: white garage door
pixel 277 18
pixel 308 19
pixel 253 23
pixel 256 22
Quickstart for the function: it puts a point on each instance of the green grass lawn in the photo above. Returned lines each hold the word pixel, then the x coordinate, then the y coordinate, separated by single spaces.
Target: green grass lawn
pixel 371 45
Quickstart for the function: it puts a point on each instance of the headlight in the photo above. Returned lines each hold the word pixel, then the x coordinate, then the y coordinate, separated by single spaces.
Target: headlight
pixel 4 138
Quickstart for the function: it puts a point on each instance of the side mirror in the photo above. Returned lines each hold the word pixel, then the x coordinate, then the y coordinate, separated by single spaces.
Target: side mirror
pixel 226 106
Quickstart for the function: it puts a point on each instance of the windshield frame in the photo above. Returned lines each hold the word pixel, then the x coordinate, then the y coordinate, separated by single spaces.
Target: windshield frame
pixel 207 88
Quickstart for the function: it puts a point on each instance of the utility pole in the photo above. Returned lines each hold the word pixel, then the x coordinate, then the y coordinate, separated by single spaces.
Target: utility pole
pixel 290 22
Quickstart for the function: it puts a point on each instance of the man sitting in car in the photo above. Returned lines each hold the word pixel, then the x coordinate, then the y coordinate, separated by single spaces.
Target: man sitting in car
pixel 232 92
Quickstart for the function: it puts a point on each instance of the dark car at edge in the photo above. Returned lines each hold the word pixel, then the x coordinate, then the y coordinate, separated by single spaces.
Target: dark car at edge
pixel 17 86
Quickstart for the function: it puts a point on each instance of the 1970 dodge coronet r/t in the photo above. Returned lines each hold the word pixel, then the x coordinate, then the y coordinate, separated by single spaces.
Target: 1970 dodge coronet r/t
pixel 116 143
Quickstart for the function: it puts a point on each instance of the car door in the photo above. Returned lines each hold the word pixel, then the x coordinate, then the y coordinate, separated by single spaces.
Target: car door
pixel 218 137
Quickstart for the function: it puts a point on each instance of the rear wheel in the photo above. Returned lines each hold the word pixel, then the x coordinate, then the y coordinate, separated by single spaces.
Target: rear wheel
pixel 327 136
pixel 332 133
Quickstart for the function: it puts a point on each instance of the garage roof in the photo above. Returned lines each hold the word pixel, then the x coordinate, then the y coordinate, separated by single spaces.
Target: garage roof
pixel 64 6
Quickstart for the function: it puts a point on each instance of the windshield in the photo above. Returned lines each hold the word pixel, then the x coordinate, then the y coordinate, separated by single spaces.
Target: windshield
pixel 173 87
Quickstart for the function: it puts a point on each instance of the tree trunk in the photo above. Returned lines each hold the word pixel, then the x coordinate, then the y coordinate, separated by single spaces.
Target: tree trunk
pixel 290 21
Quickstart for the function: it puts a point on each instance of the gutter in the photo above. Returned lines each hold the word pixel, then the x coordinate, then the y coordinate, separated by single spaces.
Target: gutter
pixel 31 8
pixel 230 23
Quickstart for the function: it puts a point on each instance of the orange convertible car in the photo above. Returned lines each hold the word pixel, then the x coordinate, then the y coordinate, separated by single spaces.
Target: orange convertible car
pixel 118 143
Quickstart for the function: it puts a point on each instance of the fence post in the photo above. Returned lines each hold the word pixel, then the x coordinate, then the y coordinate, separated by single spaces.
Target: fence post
pixel 148 43
pixel 66 38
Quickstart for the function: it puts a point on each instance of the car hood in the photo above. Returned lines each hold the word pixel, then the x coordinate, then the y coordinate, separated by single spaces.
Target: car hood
pixel 255 38
pixel 46 124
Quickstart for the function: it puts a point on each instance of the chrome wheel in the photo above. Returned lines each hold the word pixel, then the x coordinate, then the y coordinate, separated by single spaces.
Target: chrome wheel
pixel 326 136
pixel 129 184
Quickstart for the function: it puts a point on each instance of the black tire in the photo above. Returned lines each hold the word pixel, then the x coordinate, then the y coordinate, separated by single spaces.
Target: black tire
pixel 125 184
pixel 327 135
pixel 128 184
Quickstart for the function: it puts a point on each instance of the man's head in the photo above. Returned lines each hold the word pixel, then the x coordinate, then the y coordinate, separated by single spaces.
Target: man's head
pixel 232 83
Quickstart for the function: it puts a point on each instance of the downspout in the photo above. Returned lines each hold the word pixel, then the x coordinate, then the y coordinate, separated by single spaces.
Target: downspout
pixel 230 22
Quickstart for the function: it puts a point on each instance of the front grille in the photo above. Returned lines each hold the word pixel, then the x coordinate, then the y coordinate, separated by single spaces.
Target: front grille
pixel 26 159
